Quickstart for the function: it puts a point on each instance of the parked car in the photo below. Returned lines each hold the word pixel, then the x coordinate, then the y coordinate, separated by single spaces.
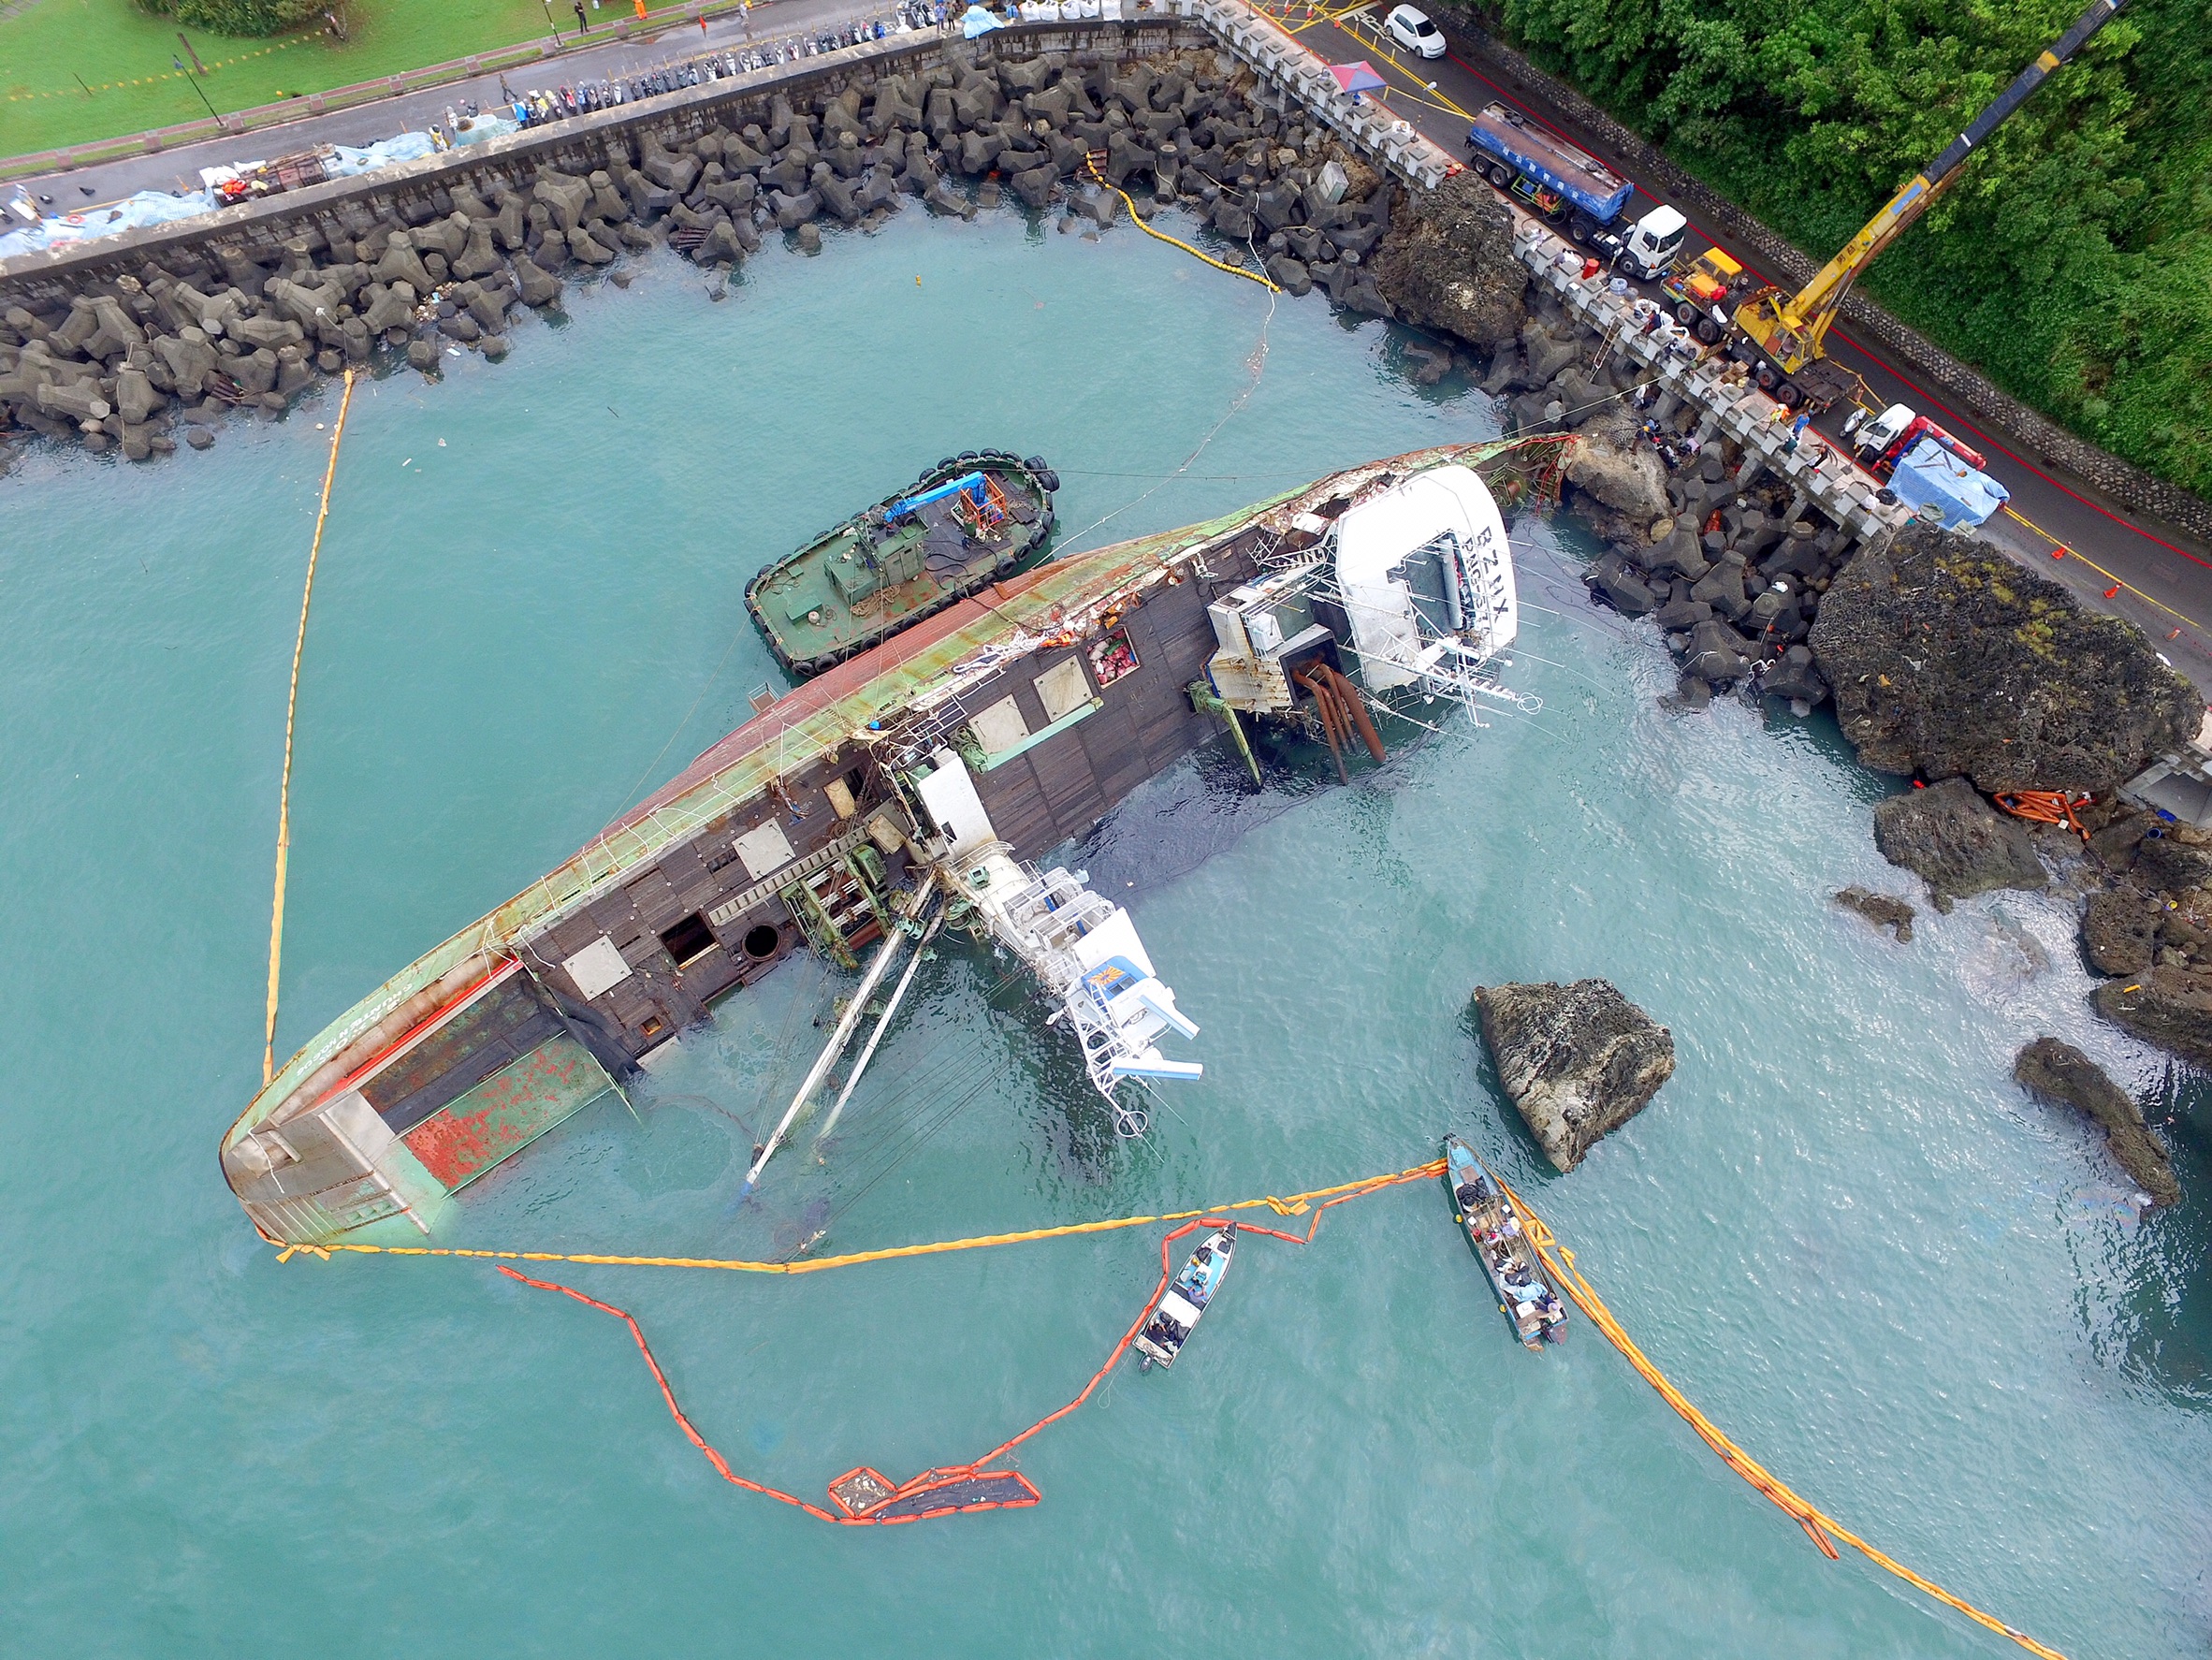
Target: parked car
pixel 1411 29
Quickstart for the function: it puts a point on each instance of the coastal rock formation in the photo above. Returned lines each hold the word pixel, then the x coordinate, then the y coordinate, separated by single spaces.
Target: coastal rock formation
pixel 1577 1060
pixel 1608 461
pixel 1448 263
pixel 2120 929
pixel 1947 659
pixel 2168 1006
pixel 2060 1073
pixel 1881 911
pixel 1957 842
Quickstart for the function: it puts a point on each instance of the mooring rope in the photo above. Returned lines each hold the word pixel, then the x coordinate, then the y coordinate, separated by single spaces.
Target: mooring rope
pixel 1819 1527
pixel 1296 1206
pixel 284 850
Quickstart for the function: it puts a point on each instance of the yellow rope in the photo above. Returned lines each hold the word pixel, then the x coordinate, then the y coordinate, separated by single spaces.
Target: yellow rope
pixel 1296 1206
pixel 276 917
pixel 2071 551
pixel 1235 270
pixel 1816 1523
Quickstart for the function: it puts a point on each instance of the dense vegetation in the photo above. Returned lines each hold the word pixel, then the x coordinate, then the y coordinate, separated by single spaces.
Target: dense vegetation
pixel 239 17
pixel 2071 261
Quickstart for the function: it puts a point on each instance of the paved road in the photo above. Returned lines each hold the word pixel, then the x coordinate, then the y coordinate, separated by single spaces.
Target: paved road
pixel 413 112
pixel 2169 571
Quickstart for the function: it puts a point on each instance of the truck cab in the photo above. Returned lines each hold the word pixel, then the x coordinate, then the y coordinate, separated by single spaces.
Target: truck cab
pixel 1874 437
pixel 1653 242
pixel 1701 286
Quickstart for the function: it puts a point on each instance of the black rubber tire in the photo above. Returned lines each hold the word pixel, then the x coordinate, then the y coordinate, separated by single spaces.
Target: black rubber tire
pixel 1708 332
pixel 1685 313
pixel 1581 227
pixel 1789 394
pixel 1049 479
pixel 1500 176
pixel 1766 378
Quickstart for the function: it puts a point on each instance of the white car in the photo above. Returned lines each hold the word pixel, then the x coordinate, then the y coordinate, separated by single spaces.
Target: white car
pixel 1412 29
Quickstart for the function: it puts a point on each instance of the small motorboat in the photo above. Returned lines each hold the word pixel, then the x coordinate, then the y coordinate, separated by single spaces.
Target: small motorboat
pixel 1487 1218
pixel 1168 1328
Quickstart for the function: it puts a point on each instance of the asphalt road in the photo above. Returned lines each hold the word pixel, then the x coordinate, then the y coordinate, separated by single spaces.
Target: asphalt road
pixel 2164 576
pixel 413 112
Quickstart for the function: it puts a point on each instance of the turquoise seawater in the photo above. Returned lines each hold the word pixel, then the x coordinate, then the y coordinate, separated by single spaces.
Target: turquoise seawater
pixel 1915 1295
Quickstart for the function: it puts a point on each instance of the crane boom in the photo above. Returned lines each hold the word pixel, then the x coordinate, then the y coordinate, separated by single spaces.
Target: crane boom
pixel 1792 330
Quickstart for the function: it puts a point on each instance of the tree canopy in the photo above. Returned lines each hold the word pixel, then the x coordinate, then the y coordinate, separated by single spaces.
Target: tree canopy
pixel 2071 261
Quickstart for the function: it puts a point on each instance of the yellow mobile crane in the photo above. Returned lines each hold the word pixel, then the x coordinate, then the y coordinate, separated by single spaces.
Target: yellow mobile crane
pixel 1785 335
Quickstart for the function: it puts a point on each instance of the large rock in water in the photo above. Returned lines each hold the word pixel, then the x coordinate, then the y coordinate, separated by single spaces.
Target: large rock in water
pixel 1948 659
pixel 1577 1060
pixel 1955 841
pixel 2057 1071
pixel 1448 263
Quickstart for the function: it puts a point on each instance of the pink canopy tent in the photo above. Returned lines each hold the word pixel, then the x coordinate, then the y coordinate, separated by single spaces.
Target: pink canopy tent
pixel 1357 77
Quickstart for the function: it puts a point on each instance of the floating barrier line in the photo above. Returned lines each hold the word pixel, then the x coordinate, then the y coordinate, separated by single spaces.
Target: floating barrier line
pixel 1819 1527
pixel 276 914
pixel 945 1478
pixel 1296 1206
pixel 1091 162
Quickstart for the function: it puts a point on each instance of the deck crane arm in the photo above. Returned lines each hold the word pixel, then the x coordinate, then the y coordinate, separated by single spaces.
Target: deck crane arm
pixel 1791 329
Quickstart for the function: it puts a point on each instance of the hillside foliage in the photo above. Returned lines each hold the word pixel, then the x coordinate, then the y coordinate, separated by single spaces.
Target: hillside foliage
pixel 2071 261
pixel 239 17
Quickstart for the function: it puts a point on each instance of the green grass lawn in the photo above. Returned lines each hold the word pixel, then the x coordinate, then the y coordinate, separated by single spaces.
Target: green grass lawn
pixel 112 45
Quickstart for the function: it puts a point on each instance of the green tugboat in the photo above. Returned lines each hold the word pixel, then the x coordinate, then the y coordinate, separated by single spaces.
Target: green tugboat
pixel 970 521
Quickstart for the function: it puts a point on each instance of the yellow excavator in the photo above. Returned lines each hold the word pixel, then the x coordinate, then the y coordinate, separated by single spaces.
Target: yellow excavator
pixel 1785 334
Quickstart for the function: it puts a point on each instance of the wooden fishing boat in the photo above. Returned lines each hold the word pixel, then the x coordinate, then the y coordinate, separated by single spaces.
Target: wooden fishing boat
pixel 972 519
pixel 1168 1328
pixel 1493 1231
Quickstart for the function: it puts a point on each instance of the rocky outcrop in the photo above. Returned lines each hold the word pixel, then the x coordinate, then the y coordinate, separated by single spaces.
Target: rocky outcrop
pixel 1956 842
pixel 1881 911
pixel 1448 263
pixel 2120 930
pixel 2060 1073
pixel 2170 1007
pixel 1948 660
pixel 1577 1061
pixel 1608 461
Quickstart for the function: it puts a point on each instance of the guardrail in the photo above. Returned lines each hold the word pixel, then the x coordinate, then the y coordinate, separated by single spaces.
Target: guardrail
pixel 361 93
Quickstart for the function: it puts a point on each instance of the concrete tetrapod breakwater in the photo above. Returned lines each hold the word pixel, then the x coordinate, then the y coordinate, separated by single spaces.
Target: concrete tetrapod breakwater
pixel 125 342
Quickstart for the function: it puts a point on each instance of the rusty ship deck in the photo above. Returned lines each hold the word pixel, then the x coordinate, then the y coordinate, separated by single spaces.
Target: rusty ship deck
pixel 1063 689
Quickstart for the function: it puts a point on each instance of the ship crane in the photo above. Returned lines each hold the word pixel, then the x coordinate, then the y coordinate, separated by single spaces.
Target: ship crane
pixel 1789 332
pixel 1081 948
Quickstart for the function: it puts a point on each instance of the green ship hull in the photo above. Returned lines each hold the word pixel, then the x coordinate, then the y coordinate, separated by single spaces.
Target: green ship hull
pixel 904 558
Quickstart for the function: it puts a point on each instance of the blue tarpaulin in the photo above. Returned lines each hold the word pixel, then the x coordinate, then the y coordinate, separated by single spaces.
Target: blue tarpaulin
pixel 149 207
pixel 1931 475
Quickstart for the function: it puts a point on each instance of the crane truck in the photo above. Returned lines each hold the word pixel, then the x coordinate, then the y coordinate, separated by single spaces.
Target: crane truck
pixel 1785 335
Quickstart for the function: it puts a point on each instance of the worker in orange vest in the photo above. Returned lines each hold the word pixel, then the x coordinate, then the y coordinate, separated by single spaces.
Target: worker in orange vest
pixel 639 7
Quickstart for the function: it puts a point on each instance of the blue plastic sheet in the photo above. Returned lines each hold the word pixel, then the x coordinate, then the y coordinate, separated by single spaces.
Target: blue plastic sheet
pixel 149 207
pixel 1931 475
pixel 344 160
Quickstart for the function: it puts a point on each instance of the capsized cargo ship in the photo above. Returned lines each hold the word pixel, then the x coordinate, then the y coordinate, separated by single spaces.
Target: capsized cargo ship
pixel 971 519
pixel 949 757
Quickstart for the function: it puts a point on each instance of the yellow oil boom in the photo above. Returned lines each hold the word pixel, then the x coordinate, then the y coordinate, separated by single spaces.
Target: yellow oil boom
pixel 1790 332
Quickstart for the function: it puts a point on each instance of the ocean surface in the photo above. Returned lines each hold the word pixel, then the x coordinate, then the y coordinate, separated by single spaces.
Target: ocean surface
pixel 1915 1295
